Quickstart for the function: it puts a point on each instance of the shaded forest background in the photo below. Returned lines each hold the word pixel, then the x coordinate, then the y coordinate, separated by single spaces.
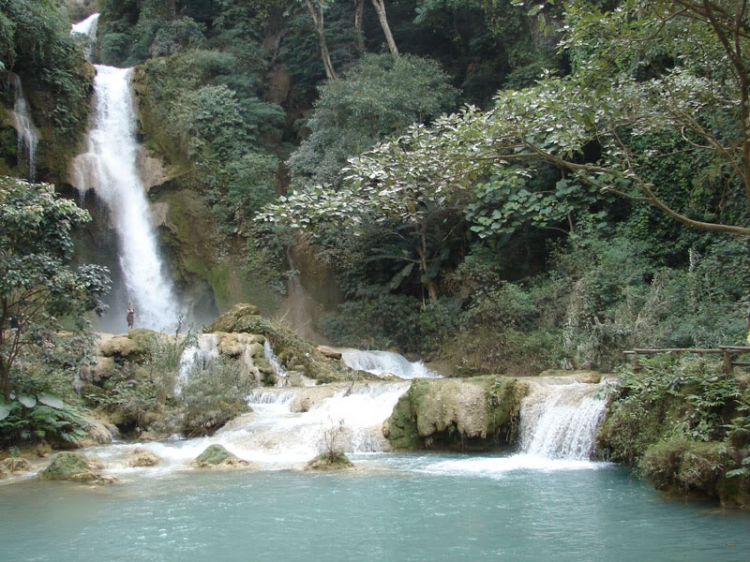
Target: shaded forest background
pixel 505 268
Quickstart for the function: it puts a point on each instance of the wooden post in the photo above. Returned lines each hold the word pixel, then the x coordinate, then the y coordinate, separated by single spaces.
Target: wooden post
pixel 728 368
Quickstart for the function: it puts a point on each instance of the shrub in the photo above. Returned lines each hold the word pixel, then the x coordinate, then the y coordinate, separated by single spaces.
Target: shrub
pixel 214 395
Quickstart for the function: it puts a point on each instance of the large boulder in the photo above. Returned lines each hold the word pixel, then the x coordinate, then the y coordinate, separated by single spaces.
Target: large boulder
pixel 216 456
pixel 74 467
pixel 478 413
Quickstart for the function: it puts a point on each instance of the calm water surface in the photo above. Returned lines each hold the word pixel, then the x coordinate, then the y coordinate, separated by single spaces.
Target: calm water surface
pixel 392 508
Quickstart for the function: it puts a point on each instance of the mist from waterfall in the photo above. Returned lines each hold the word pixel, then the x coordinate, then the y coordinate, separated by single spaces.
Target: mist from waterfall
pixel 28 139
pixel 109 168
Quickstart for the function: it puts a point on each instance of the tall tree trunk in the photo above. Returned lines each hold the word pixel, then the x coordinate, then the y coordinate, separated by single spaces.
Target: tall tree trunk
pixel 5 378
pixel 316 13
pixel 359 9
pixel 424 265
pixel 379 6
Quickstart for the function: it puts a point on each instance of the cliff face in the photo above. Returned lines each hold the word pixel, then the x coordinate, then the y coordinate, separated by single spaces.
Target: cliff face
pixel 56 147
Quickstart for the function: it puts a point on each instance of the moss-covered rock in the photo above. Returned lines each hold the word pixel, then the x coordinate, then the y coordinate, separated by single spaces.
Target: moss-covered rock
pixel 477 413
pixel 335 460
pixel 15 465
pixel 681 423
pixel 681 466
pixel 74 467
pixel 229 321
pixel 294 352
pixel 132 346
pixel 96 434
pixel 217 456
pixel 100 368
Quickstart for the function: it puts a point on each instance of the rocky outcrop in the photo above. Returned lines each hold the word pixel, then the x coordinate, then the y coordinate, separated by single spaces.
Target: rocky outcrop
pixel 100 368
pixel 325 462
pixel 132 346
pixel 75 467
pixel 478 413
pixel 14 465
pixel 98 433
pixel 293 352
pixel 143 458
pixel 217 456
pixel 310 396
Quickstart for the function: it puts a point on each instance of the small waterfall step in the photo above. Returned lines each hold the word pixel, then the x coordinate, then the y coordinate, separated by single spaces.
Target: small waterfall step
pixel 385 363
pixel 561 421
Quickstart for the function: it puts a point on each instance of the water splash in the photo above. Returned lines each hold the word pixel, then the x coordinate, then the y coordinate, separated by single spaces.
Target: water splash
pixel 28 140
pixel 278 435
pixel 386 363
pixel 109 167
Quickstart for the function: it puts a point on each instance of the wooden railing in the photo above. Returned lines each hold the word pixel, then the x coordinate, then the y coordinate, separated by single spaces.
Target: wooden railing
pixel 728 351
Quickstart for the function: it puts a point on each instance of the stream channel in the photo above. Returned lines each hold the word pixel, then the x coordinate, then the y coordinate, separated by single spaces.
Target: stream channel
pixel 547 502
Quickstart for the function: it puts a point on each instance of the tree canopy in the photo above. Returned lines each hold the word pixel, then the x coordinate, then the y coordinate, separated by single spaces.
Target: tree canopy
pixel 38 286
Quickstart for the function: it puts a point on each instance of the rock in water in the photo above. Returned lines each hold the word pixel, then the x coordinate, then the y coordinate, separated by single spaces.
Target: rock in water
pixel 74 467
pixel 217 456
pixel 142 457
pixel 17 464
pixel 330 461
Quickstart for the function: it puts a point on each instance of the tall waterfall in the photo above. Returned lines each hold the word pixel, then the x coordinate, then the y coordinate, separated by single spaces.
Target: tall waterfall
pixel 386 363
pixel 561 421
pixel 27 137
pixel 109 167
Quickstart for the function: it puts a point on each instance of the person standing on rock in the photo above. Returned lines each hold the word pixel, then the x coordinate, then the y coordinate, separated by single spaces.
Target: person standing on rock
pixel 131 316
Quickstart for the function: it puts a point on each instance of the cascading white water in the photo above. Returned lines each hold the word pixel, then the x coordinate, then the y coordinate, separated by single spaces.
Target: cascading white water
pixel 561 421
pixel 287 427
pixel 278 368
pixel 88 28
pixel 386 362
pixel 27 137
pixel 196 357
pixel 558 429
pixel 109 167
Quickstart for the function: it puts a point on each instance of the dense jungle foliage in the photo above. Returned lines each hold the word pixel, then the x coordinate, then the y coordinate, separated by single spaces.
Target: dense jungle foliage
pixel 507 185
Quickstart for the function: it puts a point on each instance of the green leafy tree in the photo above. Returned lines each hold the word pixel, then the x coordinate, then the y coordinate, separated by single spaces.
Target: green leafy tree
pixel 400 187
pixel 586 124
pixel 38 287
pixel 647 67
pixel 354 113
